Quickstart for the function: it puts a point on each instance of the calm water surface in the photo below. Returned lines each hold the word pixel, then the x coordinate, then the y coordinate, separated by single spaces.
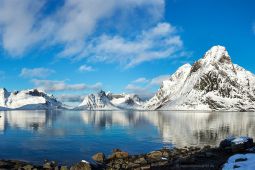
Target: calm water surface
pixel 69 136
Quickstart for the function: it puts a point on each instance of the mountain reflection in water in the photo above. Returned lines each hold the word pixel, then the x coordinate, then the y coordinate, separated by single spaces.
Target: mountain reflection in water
pixel 24 134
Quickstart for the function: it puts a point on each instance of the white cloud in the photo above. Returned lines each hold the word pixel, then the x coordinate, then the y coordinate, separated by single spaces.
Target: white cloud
pixel 145 91
pixel 51 85
pixel 140 80
pixel 36 72
pixel 72 25
pixel 18 24
pixel 85 68
pixel 70 97
pixel 161 41
pixel 24 23
pixel 78 26
pixel 158 80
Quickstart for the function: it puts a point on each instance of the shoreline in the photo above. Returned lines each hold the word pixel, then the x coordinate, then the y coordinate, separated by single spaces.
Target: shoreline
pixel 191 158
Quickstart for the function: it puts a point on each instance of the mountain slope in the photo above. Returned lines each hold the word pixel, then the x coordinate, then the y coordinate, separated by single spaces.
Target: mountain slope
pixel 211 83
pixel 27 99
pixel 109 101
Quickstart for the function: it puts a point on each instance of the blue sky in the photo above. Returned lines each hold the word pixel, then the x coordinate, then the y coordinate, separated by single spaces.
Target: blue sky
pixel 74 47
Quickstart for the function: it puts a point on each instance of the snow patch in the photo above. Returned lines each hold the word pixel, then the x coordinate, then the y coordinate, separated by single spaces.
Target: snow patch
pixel 241 162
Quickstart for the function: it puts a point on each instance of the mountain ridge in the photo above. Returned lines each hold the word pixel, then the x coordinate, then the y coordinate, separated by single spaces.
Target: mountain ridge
pixel 31 99
pixel 213 83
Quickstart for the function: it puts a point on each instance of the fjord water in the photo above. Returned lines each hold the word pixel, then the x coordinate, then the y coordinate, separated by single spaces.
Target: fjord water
pixel 69 136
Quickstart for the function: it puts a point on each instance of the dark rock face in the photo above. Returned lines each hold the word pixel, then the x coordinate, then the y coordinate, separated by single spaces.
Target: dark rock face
pixel 225 59
pixel 35 92
pixel 195 67
pixel 237 144
pixel 212 83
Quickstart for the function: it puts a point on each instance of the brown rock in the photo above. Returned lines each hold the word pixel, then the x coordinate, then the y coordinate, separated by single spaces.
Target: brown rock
pixel 132 165
pixel 81 166
pixel 28 167
pixel 140 161
pixel 146 167
pixel 63 168
pixel 121 155
pixel 116 150
pixel 99 157
pixel 155 155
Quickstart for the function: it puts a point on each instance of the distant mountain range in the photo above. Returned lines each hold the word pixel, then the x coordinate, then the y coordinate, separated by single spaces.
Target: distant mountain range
pixel 28 100
pixel 213 83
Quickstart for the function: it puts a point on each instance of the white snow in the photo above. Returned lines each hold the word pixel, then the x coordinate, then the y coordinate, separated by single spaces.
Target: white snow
pixel 27 99
pixel 109 101
pixel 244 164
pixel 212 83
pixel 240 140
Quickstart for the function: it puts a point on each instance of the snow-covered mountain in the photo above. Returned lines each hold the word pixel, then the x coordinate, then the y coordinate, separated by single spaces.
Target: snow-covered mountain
pixel 211 83
pixel 27 99
pixel 109 101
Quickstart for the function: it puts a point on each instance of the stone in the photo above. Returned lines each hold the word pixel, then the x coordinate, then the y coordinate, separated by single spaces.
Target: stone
pixel 28 167
pixel 132 165
pixel 116 150
pixel 226 143
pixel 117 166
pixel 47 165
pixel 236 148
pixel 155 155
pixel 239 144
pixel 99 157
pixel 81 166
pixel 146 167
pixel 166 154
pixel 241 160
pixel 121 155
pixel 140 161
pixel 159 164
pixel 63 168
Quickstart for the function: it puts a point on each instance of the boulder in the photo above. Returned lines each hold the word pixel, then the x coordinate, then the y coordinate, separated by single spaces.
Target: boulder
pixel 140 161
pixel 28 167
pixel 83 165
pixel 238 144
pixel 63 168
pixel 99 157
pixel 155 155
pixel 116 150
pixel 226 143
pixel 120 155
pixel 49 164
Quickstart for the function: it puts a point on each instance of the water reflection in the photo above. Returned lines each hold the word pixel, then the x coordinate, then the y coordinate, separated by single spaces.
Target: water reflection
pixel 179 128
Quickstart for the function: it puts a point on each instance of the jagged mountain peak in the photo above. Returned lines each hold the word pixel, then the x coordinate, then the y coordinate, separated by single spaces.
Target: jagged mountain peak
pixel 216 54
pixel 212 83
pixel 110 101
pixel 216 58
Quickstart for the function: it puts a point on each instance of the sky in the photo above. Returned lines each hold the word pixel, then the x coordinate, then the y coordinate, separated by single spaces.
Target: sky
pixel 71 48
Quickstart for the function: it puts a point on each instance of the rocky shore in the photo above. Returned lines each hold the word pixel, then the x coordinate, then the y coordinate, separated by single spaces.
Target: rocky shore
pixel 191 158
